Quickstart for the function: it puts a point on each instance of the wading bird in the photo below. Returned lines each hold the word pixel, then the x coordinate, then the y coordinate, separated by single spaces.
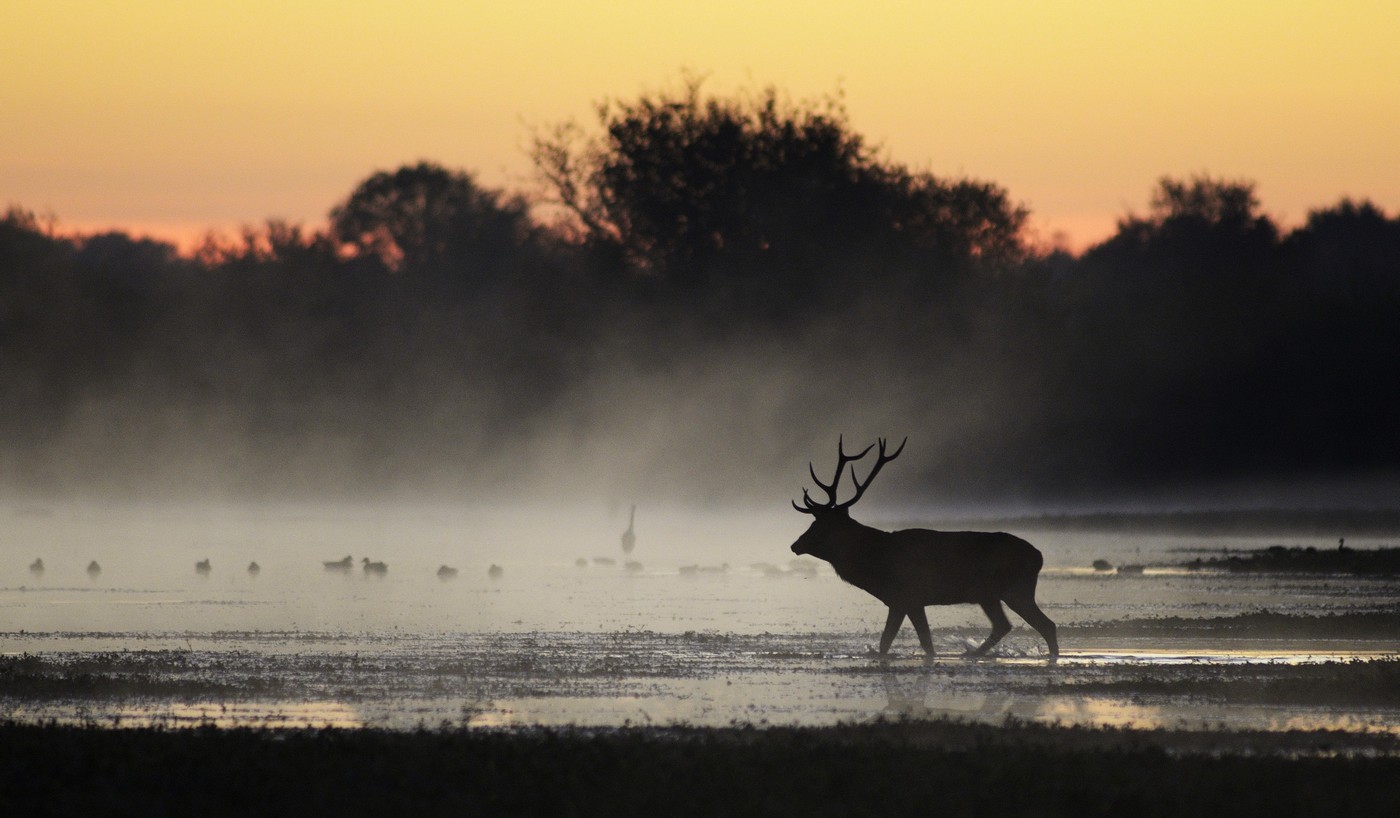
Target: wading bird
pixel 908 570
pixel 629 537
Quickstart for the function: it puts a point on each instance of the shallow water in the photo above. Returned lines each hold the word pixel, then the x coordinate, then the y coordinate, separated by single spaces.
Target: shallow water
pixel 715 626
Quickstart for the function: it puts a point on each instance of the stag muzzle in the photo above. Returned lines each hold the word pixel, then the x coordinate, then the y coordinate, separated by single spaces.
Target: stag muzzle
pixel 803 545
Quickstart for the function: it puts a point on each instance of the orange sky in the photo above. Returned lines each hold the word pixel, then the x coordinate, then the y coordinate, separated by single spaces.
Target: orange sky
pixel 175 117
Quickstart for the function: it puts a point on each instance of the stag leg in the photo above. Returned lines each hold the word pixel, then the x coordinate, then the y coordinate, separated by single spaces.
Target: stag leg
pixel 892 623
pixel 916 615
pixel 1025 607
pixel 1001 626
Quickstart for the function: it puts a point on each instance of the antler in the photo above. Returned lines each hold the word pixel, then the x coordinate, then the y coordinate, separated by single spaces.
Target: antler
pixel 881 460
pixel 809 506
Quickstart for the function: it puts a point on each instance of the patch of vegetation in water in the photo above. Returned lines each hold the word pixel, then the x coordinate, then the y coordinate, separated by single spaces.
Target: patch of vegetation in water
pixel 951 768
pixel 1374 683
pixel 1300 560
pixel 1382 624
pixel 1237 522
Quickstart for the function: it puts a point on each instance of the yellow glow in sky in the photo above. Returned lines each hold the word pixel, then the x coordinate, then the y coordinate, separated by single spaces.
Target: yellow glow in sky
pixel 174 117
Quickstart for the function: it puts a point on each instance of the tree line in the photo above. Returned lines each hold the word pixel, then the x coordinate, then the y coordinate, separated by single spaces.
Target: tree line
pixel 737 246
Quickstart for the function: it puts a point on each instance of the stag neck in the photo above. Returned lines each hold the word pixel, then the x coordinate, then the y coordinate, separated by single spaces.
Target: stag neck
pixel 850 551
pixel 852 528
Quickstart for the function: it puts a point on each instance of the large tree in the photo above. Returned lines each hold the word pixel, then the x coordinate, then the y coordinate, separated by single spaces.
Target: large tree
pixel 1197 227
pixel 754 199
pixel 427 219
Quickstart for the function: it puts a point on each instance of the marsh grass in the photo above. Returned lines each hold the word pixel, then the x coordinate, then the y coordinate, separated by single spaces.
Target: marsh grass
pixel 1376 624
pixel 127 675
pixel 942 767
pixel 1306 560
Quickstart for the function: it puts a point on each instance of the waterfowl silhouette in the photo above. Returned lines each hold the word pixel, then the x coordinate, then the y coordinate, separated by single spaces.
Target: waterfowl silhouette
pixel 343 566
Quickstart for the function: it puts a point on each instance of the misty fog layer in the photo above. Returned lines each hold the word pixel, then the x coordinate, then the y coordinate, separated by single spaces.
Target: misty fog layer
pixel 722 287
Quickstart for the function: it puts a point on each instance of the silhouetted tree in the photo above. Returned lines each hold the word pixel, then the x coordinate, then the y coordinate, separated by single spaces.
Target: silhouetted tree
pixel 435 320
pixel 37 303
pixel 756 203
pixel 425 220
pixel 1198 228
pixel 1351 249
pixel 26 247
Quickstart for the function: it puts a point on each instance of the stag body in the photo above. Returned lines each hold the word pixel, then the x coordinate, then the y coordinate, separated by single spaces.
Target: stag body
pixel 911 569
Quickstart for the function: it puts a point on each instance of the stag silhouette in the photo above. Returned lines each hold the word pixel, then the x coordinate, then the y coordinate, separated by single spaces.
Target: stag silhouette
pixel 910 569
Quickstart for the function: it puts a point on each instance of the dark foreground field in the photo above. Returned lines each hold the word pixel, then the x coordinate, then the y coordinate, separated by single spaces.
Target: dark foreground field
pixel 886 769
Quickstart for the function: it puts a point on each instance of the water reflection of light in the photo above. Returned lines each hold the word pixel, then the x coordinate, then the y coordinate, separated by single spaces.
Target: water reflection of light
pixel 1114 575
pixel 1104 712
pixel 1100 713
pixel 1217 656
pixel 493 719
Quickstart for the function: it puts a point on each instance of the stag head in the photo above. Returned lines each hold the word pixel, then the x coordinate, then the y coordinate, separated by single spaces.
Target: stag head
pixel 831 520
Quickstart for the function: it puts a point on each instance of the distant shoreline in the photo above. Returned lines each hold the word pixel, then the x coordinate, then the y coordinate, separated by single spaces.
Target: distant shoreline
pixel 1332 523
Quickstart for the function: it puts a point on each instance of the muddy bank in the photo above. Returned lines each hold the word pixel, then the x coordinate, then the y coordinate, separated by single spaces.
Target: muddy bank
pixel 713 679
pixel 155 676
pixel 885 769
